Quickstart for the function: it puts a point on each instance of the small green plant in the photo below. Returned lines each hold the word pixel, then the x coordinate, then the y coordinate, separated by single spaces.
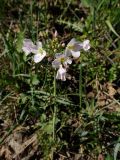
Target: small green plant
pixel 52 84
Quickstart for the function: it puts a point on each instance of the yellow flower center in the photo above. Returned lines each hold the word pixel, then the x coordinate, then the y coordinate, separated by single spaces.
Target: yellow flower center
pixel 40 50
pixel 71 47
pixel 62 59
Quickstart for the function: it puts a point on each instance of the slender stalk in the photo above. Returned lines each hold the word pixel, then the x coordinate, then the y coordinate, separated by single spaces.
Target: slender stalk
pixel 32 96
pixel 80 87
pixel 54 83
pixel 94 20
pixel 31 18
pixel 38 22
pixel 54 111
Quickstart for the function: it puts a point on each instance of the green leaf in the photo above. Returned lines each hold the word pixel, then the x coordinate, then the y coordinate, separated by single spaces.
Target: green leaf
pixel 89 4
pixel 100 4
pixel 86 3
pixel 116 149
pixel 23 98
pixel 111 28
pixel 108 157
pixel 19 41
pixel 48 128
pixel 35 80
pixel 22 114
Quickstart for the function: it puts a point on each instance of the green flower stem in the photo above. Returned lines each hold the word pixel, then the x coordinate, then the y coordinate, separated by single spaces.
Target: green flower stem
pixel 32 96
pixel 80 86
pixel 54 109
pixel 31 18
pixel 54 117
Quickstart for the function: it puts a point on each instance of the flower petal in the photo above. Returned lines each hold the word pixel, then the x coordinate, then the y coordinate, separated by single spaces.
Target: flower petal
pixel 27 42
pixel 58 55
pixel 75 54
pixel 56 63
pixel 61 73
pixel 39 57
pixel 39 44
pixel 69 61
pixel 27 50
pixel 77 46
pixel 68 52
pixel 86 41
pixel 28 46
pixel 34 50
pixel 72 42
pixel 86 45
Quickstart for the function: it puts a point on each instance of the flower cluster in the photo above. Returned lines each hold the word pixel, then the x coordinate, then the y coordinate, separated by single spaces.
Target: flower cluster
pixel 62 60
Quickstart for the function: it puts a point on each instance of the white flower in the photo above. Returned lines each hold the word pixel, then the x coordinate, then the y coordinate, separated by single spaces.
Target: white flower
pixel 61 73
pixel 27 46
pixel 73 48
pixel 86 45
pixel 39 52
pixel 61 59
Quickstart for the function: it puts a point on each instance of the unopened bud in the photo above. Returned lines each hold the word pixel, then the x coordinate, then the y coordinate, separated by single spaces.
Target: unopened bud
pixel 63 44
pixel 55 34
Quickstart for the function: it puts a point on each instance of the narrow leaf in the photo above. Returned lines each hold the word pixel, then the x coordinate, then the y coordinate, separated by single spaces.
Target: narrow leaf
pixel 111 28
pixel 116 150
